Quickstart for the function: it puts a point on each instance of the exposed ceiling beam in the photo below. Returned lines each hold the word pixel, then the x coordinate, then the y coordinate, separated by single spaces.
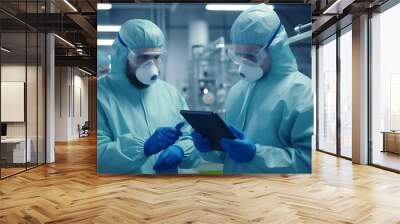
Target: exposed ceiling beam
pixel 337 6
pixel 87 28
pixel 82 61
pixel 81 21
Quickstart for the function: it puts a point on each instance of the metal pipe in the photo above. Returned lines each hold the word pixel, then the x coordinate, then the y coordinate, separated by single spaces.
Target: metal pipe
pixel 302 28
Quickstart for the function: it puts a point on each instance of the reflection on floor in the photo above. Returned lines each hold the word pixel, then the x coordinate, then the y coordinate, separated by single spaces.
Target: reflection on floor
pixel 387 159
pixel 70 191
pixel 346 152
pixel 9 170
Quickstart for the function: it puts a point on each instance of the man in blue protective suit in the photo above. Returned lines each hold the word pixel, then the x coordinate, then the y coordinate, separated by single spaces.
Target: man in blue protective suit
pixel 139 125
pixel 271 109
pixel 103 63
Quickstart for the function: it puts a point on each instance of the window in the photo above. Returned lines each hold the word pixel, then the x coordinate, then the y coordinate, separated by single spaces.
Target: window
pixel 22 78
pixel 327 95
pixel 385 89
pixel 346 92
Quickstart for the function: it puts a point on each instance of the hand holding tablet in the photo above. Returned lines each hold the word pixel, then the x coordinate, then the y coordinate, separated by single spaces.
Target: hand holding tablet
pixel 209 125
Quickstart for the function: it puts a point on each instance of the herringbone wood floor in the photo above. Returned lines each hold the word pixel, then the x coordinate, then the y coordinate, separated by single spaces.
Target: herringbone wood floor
pixel 70 191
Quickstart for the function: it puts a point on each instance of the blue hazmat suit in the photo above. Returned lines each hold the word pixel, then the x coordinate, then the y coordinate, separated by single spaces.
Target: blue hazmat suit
pixel 127 116
pixel 276 111
pixel 103 62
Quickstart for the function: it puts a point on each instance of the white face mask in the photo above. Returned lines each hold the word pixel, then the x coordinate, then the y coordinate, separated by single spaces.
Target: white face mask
pixel 148 72
pixel 251 65
pixel 250 72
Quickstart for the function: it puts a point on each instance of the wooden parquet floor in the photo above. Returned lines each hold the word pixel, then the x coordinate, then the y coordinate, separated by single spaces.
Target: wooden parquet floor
pixel 70 191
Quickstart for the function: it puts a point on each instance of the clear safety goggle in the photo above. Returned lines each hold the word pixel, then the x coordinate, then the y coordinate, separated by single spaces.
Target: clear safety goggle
pixel 140 56
pixel 251 54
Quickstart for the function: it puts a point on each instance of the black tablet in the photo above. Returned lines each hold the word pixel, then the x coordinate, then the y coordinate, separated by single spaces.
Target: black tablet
pixel 208 124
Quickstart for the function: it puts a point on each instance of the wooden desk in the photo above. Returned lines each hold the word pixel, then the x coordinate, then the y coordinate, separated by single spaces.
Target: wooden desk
pixel 13 150
pixel 391 141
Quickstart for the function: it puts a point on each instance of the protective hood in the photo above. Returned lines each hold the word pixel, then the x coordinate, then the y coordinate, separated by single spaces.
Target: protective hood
pixel 134 34
pixel 256 26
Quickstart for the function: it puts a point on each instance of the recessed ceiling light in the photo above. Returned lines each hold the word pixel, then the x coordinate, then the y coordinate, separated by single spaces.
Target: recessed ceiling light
pixel 70 5
pixel 105 42
pixel 104 6
pixel 230 7
pixel 84 71
pixel 5 50
pixel 108 28
pixel 64 40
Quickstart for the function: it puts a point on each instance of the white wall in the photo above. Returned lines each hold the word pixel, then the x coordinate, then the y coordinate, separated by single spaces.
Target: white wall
pixel 33 126
pixel 79 117
pixel 61 103
pixel 12 73
pixel 69 82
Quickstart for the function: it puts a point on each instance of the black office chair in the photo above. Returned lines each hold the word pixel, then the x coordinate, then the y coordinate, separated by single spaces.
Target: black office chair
pixel 84 130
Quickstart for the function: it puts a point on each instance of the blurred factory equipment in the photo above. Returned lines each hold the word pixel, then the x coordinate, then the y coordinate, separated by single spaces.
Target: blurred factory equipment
pixel 212 74
pixel 302 33
pixel 302 28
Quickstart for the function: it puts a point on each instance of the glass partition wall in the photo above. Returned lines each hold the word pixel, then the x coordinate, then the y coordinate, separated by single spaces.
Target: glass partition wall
pixel 334 94
pixel 334 91
pixel 345 62
pixel 385 90
pixel 22 77
pixel 327 95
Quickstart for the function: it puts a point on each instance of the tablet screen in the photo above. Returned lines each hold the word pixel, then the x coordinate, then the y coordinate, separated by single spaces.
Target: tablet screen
pixel 208 124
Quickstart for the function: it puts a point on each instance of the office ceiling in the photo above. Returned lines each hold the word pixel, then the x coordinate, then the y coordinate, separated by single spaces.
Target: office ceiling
pixel 76 22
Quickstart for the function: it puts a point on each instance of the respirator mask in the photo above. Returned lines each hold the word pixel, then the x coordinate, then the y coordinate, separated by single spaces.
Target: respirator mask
pixel 146 64
pixel 251 59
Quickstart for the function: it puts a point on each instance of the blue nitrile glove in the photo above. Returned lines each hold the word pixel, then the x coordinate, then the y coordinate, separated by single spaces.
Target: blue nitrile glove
pixel 169 158
pixel 241 149
pixel 202 143
pixel 162 138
